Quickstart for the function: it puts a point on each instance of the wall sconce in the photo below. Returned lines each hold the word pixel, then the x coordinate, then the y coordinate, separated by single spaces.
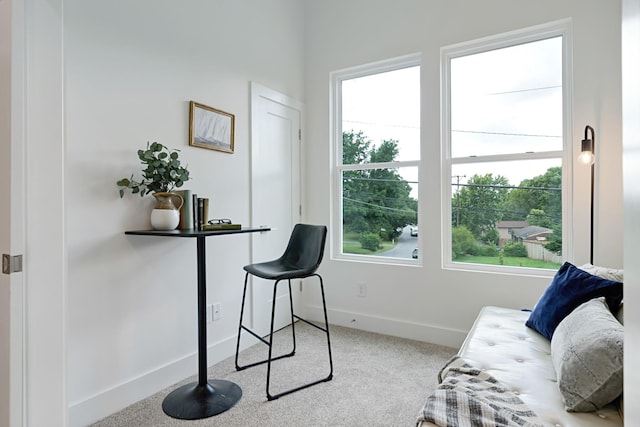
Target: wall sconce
pixel 588 157
pixel 588 152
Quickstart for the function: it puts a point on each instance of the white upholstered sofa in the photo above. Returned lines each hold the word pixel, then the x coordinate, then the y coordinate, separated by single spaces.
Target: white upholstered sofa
pixel 520 359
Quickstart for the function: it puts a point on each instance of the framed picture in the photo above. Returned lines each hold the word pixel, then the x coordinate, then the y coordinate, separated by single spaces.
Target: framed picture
pixel 210 128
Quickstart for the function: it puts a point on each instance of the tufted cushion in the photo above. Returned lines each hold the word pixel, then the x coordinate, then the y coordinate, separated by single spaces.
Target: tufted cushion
pixel 570 287
pixel 587 353
pixel 520 359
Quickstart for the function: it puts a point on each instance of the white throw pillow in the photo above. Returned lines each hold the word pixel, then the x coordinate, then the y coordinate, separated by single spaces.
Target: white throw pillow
pixel 587 353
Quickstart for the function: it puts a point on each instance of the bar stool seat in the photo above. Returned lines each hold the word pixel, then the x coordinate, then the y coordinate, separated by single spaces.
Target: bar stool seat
pixel 300 260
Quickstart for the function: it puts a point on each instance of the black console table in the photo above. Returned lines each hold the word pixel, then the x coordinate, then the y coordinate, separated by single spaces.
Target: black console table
pixel 203 398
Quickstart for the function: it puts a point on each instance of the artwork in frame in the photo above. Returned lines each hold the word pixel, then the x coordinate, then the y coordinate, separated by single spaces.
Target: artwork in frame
pixel 210 128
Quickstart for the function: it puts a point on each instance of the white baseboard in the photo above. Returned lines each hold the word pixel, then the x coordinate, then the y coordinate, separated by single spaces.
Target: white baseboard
pixel 389 326
pixel 114 399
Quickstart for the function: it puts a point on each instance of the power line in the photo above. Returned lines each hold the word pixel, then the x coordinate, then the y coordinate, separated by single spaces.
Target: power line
pixel 380 124
pixel 513 187
pixel 372 196
pixel 398 181
pixel 512 212
pixel 505 133
pixel 379 207
pixel 526 90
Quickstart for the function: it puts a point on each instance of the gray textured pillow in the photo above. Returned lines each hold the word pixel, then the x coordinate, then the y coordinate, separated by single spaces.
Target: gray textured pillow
pixel 615 274
pixel 587 353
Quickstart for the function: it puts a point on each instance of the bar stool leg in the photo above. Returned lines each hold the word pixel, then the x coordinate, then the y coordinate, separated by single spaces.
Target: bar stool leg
pixel 244 296
pixel 293 323
pixel 326 325
pixel 269 342
pixel 329 377
pixel 273 315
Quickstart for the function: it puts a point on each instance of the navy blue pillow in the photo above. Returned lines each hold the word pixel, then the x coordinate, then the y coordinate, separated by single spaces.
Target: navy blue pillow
pixel 570 288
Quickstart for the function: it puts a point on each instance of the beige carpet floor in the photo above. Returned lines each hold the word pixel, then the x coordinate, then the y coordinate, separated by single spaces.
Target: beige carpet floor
pixel 378 381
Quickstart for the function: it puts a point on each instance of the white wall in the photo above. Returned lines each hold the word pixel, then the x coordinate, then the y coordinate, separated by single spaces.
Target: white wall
pixel 131 69
pixel 427 302
pixel 631 138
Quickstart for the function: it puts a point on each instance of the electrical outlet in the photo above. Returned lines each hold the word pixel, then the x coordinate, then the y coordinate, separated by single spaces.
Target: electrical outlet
pixel 362 290
pixel 209 313
pixel 216 311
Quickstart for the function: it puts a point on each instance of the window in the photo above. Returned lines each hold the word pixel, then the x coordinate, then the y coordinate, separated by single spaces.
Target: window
pixel 376 131
pixel 506 156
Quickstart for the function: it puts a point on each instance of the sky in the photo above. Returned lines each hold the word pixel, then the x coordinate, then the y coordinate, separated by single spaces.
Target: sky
pixel 504 101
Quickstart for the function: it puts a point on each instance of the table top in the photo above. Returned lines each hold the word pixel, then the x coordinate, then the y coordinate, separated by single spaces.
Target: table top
pixel 195 233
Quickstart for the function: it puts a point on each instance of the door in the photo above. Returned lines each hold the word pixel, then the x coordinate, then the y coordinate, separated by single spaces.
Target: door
pixel 34 217
pixel 275 194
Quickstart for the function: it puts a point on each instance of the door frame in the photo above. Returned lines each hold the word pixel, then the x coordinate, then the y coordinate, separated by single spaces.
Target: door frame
pixel 12 401
pixel 259 91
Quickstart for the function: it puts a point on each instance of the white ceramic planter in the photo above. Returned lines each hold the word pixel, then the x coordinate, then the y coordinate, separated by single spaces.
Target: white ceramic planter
pixel 165 219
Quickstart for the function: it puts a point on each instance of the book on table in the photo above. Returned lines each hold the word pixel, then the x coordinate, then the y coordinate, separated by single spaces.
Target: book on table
pixel 220 226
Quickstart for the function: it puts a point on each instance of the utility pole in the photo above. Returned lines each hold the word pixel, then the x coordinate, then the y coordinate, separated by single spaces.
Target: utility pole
pixel 457 177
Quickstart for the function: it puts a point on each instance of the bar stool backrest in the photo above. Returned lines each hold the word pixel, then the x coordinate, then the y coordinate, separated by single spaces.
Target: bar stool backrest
pixel 306 248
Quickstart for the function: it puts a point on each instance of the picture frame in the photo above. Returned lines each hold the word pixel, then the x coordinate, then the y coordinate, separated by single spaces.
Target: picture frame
pixel 211 128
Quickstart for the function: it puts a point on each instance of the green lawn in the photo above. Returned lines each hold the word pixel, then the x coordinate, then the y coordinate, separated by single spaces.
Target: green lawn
pixel 351 245
pixel 509 261
pixel 356 248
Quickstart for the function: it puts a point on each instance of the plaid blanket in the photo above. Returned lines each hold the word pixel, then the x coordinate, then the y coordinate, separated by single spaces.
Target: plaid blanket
pixel 469 397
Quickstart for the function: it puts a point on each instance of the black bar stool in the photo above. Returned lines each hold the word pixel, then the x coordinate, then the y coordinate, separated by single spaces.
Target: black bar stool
pixel 301 259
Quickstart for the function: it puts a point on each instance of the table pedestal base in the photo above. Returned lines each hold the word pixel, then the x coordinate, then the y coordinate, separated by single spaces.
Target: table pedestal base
pixel 194 401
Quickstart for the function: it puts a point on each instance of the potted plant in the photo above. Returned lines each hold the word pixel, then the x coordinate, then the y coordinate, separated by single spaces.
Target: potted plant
pixel 161 174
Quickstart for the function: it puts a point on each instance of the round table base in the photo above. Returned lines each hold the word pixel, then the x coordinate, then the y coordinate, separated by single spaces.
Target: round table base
pixel 194 401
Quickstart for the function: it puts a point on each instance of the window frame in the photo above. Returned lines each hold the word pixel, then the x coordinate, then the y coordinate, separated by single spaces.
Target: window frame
pixel 337 167
pixel 562 29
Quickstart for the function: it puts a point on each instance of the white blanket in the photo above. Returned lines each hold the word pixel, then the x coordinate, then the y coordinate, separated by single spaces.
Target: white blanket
pixel 469 397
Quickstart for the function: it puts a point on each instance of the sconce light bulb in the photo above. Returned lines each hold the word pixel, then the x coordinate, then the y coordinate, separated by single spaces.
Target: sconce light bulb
pixel 587 157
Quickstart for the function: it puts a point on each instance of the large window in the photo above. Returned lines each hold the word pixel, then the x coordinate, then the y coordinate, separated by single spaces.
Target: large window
pixel 376 160
pixel 505 151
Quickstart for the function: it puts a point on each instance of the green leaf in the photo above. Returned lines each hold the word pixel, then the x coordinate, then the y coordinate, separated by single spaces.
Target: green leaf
pixel 161 171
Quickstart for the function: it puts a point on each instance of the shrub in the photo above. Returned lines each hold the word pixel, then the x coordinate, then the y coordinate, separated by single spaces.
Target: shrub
pixel 387 234
pixel 515 250
pixel 489 250
pixel 462 242
pixel 370 241
pixel 492 236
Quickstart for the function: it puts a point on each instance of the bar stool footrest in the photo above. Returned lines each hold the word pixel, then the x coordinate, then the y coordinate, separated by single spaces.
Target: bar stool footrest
pixel 302 387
